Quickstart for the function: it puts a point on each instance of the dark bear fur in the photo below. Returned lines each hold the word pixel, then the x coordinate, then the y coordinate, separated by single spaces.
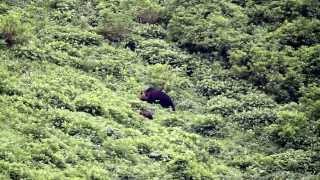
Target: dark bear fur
pixel 9 39
pixel 147 113
pixel 131 45
pixel 154 95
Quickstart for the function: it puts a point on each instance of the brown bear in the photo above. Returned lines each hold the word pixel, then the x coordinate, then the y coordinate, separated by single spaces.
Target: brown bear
pixel 154 95
pixel 147 113
pixel 9 39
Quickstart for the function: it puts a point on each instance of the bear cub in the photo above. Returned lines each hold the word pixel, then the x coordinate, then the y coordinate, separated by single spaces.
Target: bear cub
pixel 147 113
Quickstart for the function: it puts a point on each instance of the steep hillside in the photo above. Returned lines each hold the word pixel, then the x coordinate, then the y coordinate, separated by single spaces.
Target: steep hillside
pixel 244 76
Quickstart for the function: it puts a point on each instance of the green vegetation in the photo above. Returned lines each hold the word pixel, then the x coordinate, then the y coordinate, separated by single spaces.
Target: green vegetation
pixel 244 75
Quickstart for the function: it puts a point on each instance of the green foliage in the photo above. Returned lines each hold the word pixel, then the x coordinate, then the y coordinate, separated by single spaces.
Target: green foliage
pixel 223 105
pixel 270 69
pixel 243 75
pixel 300 32
pixel 148 15
pixel 291 129
pixel 207 26
pixel 62 4
pixel 151 31
pixel 311 101
pixel 160 52
pixel 277 11
pixel 71 36
pixel 114 26
pixel 251 111
pixel 310 55
pixel 255 118
pixel 279 165
pixel 210 87
pixel 13 30
pixel 3 8
pixel 209 126
pixel 157 75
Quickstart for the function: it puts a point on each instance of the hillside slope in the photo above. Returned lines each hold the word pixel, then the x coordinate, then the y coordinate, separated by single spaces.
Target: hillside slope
pixel 244 76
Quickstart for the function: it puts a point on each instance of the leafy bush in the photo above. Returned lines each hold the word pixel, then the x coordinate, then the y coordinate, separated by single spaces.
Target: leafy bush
pixel 255 100
pixel 206 28
pixel 287 164
pixel 251 111
pixel 223 105
pixel 13 30
pixel 180 169
pixel 67 12
pixel 276 12
pixel 148 15
pixel 300 32
pixel 4 9
pixel 255 118
pixel 298 126
pixel 73 37
pixel 114 26
pixel 102 68
pixel 156 75
pixel 173 122
pixel 211 87
pixel 291 129
pixel 62 4
pixel 269 69
pixel 70 101
pixel 3 77
pixel 160 52
pixel 311 66
pixel 6 85
pixel 208 126
pixel 151 31
pixel 284 161
pixel 311 101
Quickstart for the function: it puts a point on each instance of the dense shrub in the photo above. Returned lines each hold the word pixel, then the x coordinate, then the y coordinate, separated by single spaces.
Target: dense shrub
pixel 73 37
pixel 255 118
pixel 283 161
pixel 300 32
pixel 297 125
pixel 211 87
pixel 254 100
pixel 151 31
pixel 173 122
pixel 208 126
pixel 65 12
pixel 6 85
pixel 311 101
pixel 311 66
pixel 157 76
pixel 13 30
pixel 250 110
pixel 62 4
pixel 180 169
pixel 70 100
pixel 4 9
pixel 276 12
pixel 160 52
pixel 223 105
pixel 114 26
pixel 4 75
pixel 102 68
pixel 280 165
pixel 206 28
pixel 269 69
pixel 148 15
